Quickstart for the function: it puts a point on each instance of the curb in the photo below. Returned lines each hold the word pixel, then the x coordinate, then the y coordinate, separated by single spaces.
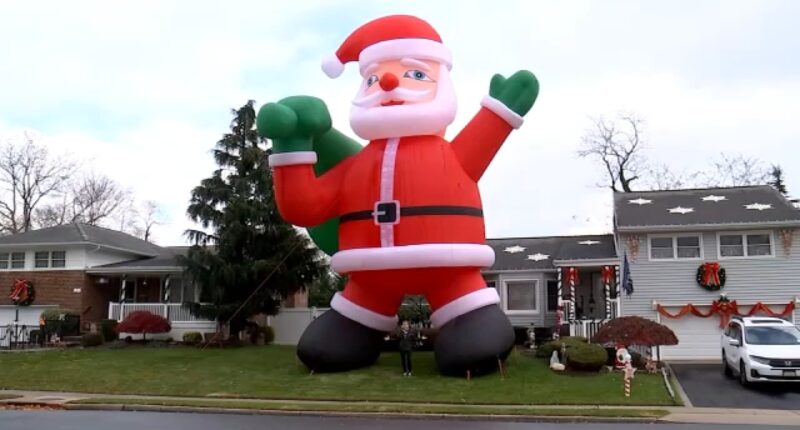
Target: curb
pixel 390 415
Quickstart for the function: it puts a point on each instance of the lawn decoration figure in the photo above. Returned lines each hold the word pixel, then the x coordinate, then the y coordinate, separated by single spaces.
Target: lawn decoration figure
pixel 621 357
pixel 630 372
pixel 401 215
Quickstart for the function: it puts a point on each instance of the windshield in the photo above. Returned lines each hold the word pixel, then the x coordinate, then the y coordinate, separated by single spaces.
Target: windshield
pixel 772 335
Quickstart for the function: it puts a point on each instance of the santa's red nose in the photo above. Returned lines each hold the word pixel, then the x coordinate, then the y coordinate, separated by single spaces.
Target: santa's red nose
pixel 389 82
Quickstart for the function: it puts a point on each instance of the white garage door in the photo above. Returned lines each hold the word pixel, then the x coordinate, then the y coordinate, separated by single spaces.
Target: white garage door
pixel 698 338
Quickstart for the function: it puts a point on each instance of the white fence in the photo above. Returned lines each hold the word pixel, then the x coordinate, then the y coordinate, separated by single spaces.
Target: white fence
pixel 290 323
pixel 173 312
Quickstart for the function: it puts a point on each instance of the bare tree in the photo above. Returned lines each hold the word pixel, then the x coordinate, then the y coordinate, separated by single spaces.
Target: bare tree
pixel 28 174
pixel 617 144
pixel 663 177
pixel 89 199
pixel 150 217
pixel 736 170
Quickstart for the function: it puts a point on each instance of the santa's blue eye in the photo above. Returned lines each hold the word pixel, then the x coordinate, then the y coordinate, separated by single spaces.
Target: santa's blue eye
pixel 417 74
pixel 371 80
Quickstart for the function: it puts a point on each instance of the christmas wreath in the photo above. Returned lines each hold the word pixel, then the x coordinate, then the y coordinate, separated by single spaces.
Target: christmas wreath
pixel 711 276
pixel 22 293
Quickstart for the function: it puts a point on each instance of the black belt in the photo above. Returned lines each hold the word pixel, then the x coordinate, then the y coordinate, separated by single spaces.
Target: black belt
pixel 388 213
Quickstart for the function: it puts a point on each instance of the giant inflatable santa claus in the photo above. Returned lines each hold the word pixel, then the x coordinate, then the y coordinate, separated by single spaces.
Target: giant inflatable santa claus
pixel 401 215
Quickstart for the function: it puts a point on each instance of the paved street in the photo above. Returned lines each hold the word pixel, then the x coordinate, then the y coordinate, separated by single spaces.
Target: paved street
pixel 707 387
pixel 90 420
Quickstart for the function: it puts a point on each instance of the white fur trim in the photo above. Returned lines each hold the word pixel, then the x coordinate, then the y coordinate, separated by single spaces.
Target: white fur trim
pixel 418 49
pixel 501 110
pixel 363 315
pixel 464 304
pixel 292 158
pixel 332 66
pixel 413 256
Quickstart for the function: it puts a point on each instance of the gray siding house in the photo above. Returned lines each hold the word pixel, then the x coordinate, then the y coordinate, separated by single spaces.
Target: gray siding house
pixel 667 236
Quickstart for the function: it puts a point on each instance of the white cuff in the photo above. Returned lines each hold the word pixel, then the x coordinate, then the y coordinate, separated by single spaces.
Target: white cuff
pixel 502 111
pixel 464 304
pixel 363 315
pixel 292 158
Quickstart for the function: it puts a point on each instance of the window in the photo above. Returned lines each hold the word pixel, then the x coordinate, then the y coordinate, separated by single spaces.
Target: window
pixel 745 245
pixel 661 248
pixel 731 246
pixel 491 284
pixel 58 259
pixel 45 259
pixel 672 247
pixel 41 259
pixel 4 260
pixel 17 260
pixel 521 296
pixel 552 295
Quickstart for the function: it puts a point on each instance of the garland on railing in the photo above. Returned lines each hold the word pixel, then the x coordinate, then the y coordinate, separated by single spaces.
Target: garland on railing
pixel 725 309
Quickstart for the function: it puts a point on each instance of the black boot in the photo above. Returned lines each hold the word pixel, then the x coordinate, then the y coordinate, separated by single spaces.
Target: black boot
pixel 335 343
pixel 474 342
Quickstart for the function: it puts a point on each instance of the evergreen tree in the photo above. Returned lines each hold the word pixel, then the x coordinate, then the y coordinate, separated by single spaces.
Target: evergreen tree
pixel 245 239
pixel 777 181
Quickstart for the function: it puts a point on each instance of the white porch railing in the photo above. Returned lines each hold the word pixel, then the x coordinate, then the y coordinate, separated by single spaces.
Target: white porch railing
pixel 585 328
pixel 173 312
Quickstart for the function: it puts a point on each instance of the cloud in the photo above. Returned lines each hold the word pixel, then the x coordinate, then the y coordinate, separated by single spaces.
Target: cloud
pixel 145 89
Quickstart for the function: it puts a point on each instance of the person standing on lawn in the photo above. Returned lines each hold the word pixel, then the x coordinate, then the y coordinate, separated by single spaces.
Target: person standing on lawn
pixel 407 338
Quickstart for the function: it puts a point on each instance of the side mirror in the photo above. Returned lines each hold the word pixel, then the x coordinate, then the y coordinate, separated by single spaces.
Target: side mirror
pixel 734 342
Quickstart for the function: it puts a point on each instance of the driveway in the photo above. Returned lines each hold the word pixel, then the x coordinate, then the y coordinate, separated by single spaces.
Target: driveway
pixel 706 386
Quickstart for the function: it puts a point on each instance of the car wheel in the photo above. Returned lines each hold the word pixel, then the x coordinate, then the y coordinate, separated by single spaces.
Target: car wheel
pixel 743 375
pixel 726 370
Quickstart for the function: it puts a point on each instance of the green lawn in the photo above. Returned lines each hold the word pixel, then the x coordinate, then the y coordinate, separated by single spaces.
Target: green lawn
pixel 380 408
pixel 273 372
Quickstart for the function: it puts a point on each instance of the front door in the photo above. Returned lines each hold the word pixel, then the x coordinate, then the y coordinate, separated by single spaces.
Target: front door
pixel 148 290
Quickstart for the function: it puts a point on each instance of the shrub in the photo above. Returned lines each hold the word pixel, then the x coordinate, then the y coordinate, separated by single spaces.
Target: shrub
pixel 91 339
pixel 57 314
pixel 635 330
pixel 144 322
pixel 547 348
pixel 269 334
pixel 108 328
pixel 61 322
pixel 192 338
pixel 587 357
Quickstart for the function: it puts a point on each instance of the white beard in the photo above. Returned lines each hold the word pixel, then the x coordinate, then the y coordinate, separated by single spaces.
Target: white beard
pixel 415 119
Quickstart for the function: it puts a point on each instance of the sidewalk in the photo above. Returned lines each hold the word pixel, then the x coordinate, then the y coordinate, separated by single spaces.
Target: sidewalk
pixel 129 402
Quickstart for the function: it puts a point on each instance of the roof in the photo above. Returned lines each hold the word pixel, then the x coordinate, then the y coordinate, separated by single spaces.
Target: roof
pixel 78 233
pixel 166 261
pixel 539 253
pixel 735 206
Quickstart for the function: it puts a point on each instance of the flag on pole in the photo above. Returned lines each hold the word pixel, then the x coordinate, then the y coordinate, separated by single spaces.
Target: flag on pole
pixel 627 281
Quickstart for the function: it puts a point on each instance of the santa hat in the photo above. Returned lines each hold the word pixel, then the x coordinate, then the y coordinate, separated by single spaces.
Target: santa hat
pixel 390 37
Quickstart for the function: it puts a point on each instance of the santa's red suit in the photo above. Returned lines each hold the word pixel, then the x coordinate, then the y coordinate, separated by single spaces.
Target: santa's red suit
pixel 411 219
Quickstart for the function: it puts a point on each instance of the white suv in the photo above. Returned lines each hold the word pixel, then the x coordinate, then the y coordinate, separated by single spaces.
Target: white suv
pixel 761 349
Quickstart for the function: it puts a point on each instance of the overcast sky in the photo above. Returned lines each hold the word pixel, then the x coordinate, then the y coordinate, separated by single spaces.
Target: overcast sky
pixel 143 90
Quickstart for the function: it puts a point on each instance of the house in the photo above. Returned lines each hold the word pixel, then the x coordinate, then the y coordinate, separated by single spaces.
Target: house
pixel 667 238
pixel 97 272
pixel 669 235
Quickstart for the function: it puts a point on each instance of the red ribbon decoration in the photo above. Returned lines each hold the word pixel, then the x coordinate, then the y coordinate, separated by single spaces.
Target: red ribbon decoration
pixel 572 276
pixel 725 310
pixel 20 291
pixel 711 274
pixel 607 273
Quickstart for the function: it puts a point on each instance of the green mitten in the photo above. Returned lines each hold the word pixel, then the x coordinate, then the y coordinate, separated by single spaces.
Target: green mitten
pixel 518 92
pixel 293 123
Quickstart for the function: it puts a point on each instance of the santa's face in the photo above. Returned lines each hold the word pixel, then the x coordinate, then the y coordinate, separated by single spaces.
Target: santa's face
pixel 404 97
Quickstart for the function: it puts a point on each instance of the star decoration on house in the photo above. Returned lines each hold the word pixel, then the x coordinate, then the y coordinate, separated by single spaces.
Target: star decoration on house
pixel 514 249
pixel 538 257
pixel 713 198
pixel 589 242
pixel 681 210
pixel 758 206
pixel 640 201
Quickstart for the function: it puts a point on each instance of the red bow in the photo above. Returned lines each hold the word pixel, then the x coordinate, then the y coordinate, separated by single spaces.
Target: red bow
pixel 20 291
pixel 607 274
pixel 572 276
pixel 711 274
